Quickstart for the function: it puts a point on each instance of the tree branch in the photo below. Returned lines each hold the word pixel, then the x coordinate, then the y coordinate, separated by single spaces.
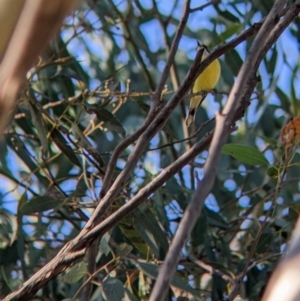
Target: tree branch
pixel 155 105
pixel 284 283
pixel 223 124
pixel 76 248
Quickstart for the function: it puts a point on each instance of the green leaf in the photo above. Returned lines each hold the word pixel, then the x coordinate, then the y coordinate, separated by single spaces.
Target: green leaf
pixel 144 106
pixel 75 273
pixel 271 64
pixel 284 98
pixel 175 192
pixel 200 231
pixel 84 143
pixel 215 219
pixel 227 15
pixel 254 227
pixel 133 235
pixel 272 172
pixel 294 97
pixel 124 250
pixel 245 154
pixel 79 136
pixel 227 75
pixel 264 242
pixel 7 173
pixel 104 247
pixel 71 62
pixel 8 228
pixel 150 231
pixel 158 205
pixel 19 148
pixel 268 124
pixel 40 126
pixel 40 204
pixel 106 116
pixel 231 30
pixel 9 255
pixel 113 289
pixel 152 271
pixel 64 146
pixel 22 201
pixel 17 145
pixel 233 61
pixel 271 141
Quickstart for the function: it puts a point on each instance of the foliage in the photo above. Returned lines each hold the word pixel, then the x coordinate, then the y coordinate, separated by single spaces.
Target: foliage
pixel 90 91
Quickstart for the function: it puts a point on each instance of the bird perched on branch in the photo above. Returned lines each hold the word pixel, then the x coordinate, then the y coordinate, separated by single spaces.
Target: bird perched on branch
pixel 206 81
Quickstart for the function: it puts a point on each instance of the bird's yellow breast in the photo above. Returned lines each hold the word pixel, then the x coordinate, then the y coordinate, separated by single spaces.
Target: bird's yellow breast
pixel 208 78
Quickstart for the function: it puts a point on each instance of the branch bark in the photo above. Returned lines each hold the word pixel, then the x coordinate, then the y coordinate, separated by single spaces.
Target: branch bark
pixel 223 124
pixel 76 248
pixel 284 283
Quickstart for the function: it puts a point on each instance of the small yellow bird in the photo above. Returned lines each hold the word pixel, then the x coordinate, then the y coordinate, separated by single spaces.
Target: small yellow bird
pixel 206 81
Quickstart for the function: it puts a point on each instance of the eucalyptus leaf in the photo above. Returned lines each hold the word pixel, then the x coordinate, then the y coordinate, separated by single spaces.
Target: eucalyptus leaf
pixel 76 272
pixel 40 126
pixel 64 146
pixel 40 204
pixel 106 116
pixel 113 289
pixel 245 154
pixel 152 271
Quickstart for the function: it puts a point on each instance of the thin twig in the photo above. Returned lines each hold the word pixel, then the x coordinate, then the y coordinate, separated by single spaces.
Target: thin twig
pixel 203 6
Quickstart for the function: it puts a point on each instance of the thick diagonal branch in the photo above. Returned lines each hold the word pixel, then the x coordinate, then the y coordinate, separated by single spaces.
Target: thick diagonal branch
pixel 223 123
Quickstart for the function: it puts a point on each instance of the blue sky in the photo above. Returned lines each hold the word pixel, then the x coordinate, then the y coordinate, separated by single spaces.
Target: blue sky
pixel 287 47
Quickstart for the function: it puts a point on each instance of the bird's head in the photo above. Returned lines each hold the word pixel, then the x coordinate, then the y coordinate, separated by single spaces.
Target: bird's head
pixel 206 50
